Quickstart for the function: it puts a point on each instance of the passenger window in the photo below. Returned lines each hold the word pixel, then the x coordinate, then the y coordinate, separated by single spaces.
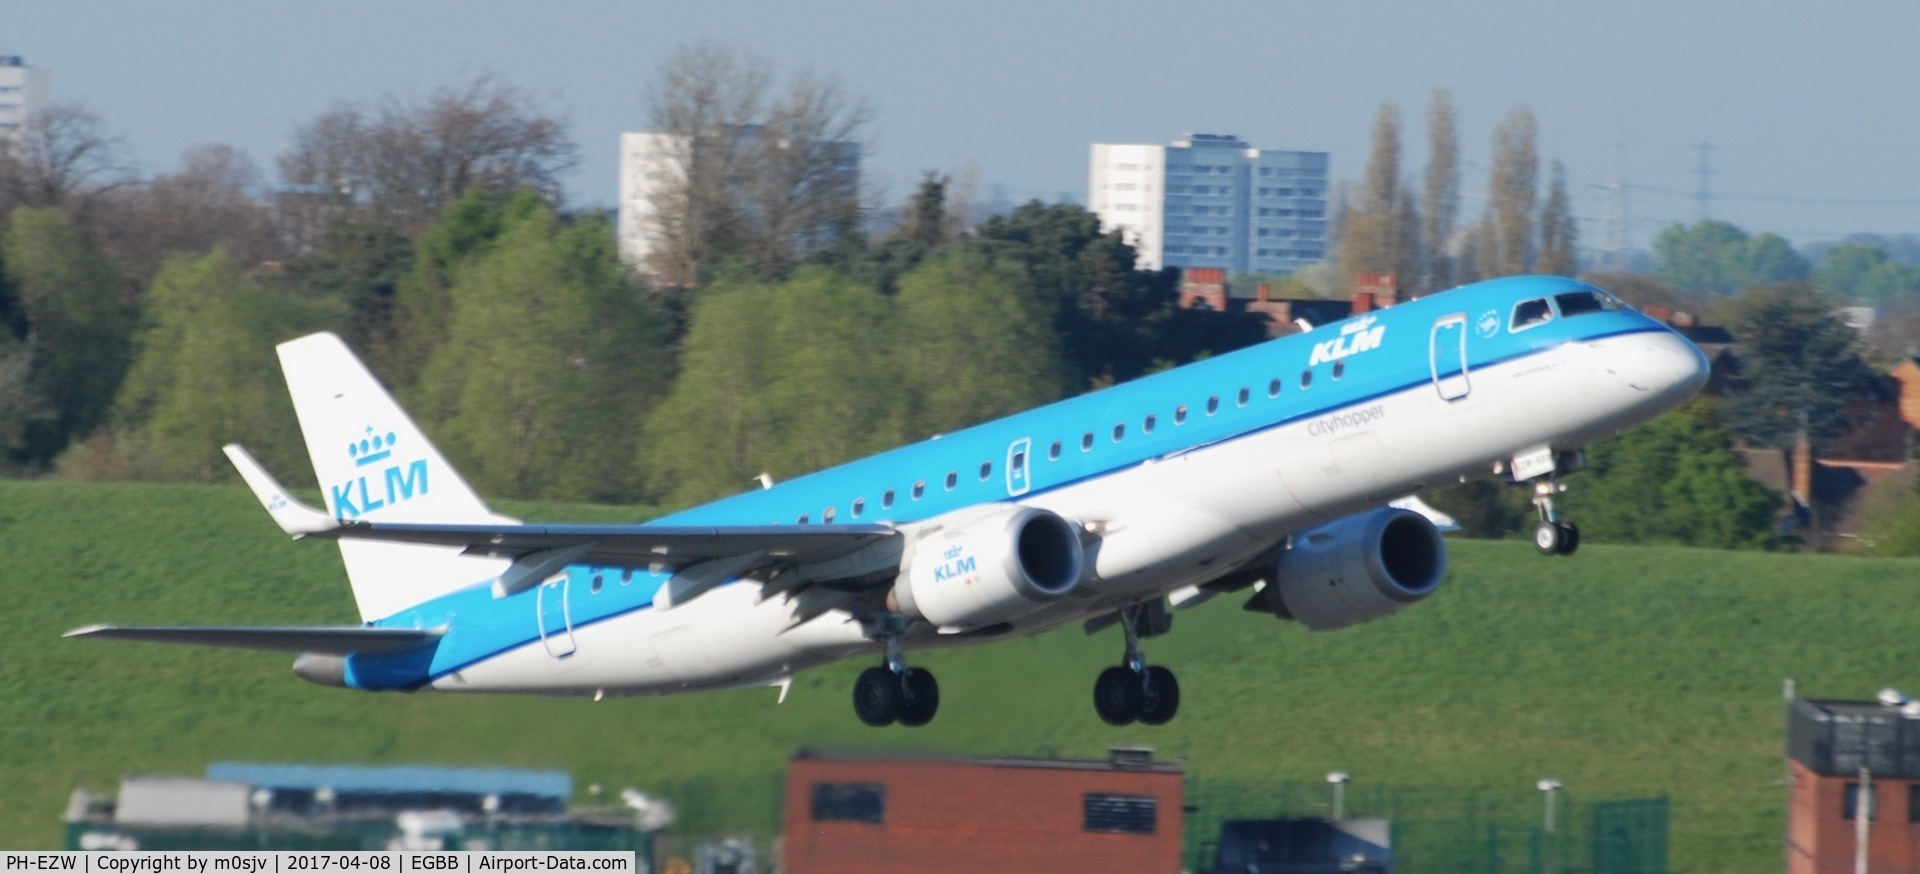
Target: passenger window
pixel 1119 431
pixel 953 479
pixel 1053 452
pixel 1273 388
pixel 1180 415
pixel 886 500
pixel 1244 395
pixel 1213 405
pixel 1306 377
pixel 1146 427
pixel 598 580
pixel 1086 441
pixel 803 518
pixel 986 470
pixel 859 506
pixel 919 488
pixel 1339 368
pixel 1529 313
pixel 826 516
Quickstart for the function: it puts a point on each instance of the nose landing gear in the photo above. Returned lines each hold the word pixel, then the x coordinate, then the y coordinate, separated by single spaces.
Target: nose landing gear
pixel 1553 536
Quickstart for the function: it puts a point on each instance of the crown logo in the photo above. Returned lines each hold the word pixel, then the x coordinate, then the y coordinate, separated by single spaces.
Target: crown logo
pixel 371 448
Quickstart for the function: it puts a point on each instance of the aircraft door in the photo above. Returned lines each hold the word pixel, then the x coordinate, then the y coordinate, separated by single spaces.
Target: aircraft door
pixel 1448 355
pixel 555 617
pixel 1018 461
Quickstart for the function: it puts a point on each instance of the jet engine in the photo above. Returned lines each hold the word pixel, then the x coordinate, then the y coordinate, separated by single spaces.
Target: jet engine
pixel 1356 569
pixel 993 568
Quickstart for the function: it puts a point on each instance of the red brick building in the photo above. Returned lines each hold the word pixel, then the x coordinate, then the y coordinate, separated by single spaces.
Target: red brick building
pixel 1828 743
pixel 854 813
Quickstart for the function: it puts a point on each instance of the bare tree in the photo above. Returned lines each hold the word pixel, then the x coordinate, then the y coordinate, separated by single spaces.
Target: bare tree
pixel 1510 202
pixel 1378 234
pixel 1442 194
pixel 1557 232
pixel 213 201
pixel 63 158
pixel 740 173
pixel 402 163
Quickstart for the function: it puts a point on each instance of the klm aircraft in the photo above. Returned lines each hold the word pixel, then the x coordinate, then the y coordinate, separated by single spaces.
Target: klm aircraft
pixel 1277 470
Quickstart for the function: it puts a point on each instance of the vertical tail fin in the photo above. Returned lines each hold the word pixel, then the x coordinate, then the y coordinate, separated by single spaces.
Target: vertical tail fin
pixel 375 464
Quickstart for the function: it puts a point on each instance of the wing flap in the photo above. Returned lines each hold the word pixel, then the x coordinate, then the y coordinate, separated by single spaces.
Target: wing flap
pixel 658 547
pixel 328 640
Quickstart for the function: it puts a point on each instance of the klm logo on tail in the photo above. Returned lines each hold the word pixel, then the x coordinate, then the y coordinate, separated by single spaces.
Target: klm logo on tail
pixel 384 485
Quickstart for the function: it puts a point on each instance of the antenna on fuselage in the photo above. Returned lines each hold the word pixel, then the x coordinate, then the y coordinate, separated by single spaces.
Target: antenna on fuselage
pixel 765 480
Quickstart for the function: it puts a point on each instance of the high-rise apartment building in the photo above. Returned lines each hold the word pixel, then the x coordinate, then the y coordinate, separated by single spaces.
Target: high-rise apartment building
pixel 23 92
pixel 1213 201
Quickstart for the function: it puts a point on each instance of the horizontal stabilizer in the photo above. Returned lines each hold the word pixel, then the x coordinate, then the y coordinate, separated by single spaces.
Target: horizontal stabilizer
pixel 293 517
pixel 329 640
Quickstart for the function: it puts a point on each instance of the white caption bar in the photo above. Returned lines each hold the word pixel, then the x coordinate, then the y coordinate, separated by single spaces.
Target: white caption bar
pixel 318 862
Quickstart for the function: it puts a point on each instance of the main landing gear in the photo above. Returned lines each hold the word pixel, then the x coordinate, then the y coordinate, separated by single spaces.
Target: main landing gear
pixel 894 692
pixel 1134 690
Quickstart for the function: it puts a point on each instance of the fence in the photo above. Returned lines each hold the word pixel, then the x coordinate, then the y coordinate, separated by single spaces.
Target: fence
pixel 1437 830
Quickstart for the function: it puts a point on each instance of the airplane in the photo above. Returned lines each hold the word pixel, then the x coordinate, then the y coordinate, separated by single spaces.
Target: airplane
pixel 1284 468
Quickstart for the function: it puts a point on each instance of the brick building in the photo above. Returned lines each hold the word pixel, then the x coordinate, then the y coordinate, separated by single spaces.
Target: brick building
pixel 885 812
pixel 1829 746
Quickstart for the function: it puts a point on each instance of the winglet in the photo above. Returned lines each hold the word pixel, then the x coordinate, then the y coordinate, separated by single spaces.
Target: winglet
pixel 294 517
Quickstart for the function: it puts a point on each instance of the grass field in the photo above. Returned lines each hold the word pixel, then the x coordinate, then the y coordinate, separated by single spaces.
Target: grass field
pixel 1623 672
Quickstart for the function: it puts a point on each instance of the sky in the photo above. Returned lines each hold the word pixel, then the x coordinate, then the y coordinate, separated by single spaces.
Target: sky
pixel 1811 109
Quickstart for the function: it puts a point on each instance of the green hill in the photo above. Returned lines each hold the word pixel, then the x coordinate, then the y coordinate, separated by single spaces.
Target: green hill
pixel 1623 672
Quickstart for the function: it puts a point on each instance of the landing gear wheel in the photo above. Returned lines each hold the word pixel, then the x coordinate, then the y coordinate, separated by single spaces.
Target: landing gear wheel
pixel 877 697
pixel 922 699
pixel 1117 696
pixel 1569 538
pixel 1162 697
pixel 1547 537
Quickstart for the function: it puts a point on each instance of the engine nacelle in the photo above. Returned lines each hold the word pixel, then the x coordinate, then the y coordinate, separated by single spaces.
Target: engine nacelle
pixel 996 568
pixel 1357 569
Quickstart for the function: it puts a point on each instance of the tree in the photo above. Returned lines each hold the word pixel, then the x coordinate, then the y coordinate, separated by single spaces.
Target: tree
pixel 1557 231
pixel 1717 258
pixel 211 202
pixel 410 326
pixel 78 325
pixel 775 377
pixel 403 162
pixel 1512 194
pixel 204 376
pixel 1375 237
pixel 551 356
pixel 739 174
pixel 973 345
pixel 1440 199
pixel 1799 366
pixel 1108 315
pixel 1674 480
pixel 63 158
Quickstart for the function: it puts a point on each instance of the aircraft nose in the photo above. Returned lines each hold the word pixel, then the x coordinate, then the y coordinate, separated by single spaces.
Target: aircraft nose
pixel 1668 366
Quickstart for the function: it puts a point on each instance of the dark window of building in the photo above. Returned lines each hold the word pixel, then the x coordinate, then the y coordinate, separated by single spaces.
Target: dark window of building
pixel 1852 800
pixel 1913 802
pixel 849 802
pixel 1124 814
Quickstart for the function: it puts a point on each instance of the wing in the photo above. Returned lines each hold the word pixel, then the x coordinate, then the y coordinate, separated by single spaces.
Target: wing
pixel 784 557
pixel 325 640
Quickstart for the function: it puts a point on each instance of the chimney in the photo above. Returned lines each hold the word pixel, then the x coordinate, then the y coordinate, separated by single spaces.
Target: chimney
pixel 1362 302
pixel 1803 470
pixel 1264 293
pixel 1683 320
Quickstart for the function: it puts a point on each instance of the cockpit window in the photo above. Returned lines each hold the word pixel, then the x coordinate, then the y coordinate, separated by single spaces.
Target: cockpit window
pixel 1583 302
pixel 1528 313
